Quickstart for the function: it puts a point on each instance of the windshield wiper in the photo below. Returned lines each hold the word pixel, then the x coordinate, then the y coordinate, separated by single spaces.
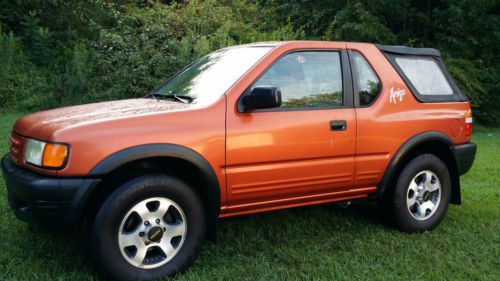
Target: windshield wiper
pixel 152 95
pixel 183 99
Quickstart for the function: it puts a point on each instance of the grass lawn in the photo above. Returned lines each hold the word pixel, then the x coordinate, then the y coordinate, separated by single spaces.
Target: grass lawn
pixel 318 242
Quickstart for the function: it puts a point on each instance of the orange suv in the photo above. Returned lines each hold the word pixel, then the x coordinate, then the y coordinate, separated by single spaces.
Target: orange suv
pixel 245 129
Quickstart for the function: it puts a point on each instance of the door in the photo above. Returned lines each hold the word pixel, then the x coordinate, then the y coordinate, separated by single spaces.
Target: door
pixel 305 147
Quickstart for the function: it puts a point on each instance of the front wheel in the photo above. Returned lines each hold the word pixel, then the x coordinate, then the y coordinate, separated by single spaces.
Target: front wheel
pixel 150 227
pixel 421 195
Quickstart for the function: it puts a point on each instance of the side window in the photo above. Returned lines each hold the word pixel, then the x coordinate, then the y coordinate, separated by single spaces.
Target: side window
pixel 425 75
pixel 367 81
pixel 306 79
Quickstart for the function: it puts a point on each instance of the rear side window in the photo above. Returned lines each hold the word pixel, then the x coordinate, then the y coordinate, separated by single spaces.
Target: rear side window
pixel 368 84
pixel 424 72
pixel 425 75
pixel 307 79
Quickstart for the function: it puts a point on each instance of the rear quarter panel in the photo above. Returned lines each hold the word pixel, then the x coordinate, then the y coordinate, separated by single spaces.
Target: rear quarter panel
pixel 383 127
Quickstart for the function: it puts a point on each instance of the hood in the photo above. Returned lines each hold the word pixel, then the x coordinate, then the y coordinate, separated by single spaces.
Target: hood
pixel 42 124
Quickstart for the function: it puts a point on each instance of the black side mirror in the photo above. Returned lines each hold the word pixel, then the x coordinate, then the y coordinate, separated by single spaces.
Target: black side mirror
pixel 262 97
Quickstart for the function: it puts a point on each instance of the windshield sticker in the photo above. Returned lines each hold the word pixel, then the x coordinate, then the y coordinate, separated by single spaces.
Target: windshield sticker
pixel 301 59
pixel 396 94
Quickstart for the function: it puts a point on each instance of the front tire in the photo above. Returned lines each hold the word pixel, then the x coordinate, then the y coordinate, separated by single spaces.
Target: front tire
pixel 150 227
pixel 420 196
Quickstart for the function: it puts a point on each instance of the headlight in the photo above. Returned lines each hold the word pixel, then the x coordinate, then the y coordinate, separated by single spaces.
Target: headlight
pixel 45 155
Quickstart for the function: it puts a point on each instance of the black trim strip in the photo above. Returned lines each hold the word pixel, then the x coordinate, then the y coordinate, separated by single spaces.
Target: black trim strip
pixel 403 50
pixel 404 149
pixel 163 150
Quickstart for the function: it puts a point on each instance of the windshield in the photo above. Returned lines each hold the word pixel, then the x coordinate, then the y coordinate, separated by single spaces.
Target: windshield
pixel 205 80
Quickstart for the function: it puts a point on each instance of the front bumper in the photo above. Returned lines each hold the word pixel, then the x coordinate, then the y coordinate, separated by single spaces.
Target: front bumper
pixel 53 202
pixel 464 156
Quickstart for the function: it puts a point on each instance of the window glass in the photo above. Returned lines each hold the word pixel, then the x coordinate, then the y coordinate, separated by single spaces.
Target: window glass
pixel 425 75
pixel 306 79
pixel 211 76
pixel 368 82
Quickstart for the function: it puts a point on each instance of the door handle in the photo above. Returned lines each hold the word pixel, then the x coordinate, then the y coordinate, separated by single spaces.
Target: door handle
pixel 338 125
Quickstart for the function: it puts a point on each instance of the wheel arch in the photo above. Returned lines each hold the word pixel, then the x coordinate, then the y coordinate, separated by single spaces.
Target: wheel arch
pixel 432 142
pixel 126 164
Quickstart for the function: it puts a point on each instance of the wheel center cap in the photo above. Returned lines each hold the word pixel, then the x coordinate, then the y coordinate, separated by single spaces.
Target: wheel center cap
pixel 155 234
pixel 427 196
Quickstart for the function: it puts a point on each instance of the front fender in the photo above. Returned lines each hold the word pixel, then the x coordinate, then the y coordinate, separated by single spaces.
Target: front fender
pixel 128 155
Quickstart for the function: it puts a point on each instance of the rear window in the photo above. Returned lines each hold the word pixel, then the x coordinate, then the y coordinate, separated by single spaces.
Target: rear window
pixel 425 75
pixel 424 72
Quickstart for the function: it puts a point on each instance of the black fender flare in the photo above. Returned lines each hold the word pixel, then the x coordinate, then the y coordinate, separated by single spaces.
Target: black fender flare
pixel 407 147
pixel 145 151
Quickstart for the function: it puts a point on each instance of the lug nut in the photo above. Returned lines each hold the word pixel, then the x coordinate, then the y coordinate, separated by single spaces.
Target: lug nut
pixel 141 234
pixel 158 221
pixel 146 223
pixel 147 243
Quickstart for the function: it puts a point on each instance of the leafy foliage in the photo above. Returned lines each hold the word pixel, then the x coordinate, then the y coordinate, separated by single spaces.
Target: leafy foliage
pixel 355 23
pixel 465 31
pixel 316 100
pixel 20 80
pixel 56 52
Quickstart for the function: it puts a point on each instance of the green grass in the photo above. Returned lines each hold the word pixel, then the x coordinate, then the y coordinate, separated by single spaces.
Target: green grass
pixel 317 242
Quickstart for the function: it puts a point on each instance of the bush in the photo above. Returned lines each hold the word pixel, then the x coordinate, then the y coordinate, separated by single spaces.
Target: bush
pixel 23 87
pixel 480 84
pixel 56 53
pixel 150 44
pixel 355 23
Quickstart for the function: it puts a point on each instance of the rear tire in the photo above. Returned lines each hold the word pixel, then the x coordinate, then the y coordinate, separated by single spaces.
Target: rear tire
pixel 421 195
pixel 150 227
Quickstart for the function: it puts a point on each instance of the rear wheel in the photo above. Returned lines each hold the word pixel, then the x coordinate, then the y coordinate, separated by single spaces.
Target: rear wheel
pixel 420 196
pixel 150 227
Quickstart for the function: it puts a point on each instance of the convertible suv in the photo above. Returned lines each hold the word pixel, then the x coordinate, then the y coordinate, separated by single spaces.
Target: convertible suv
pixel 245 129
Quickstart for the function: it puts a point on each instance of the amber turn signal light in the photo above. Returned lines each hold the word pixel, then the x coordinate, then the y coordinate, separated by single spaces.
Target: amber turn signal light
pixel 54 155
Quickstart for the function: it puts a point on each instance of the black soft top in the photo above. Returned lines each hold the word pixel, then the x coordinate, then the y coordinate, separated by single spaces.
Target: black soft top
pixel 391 52
pixel 403 50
